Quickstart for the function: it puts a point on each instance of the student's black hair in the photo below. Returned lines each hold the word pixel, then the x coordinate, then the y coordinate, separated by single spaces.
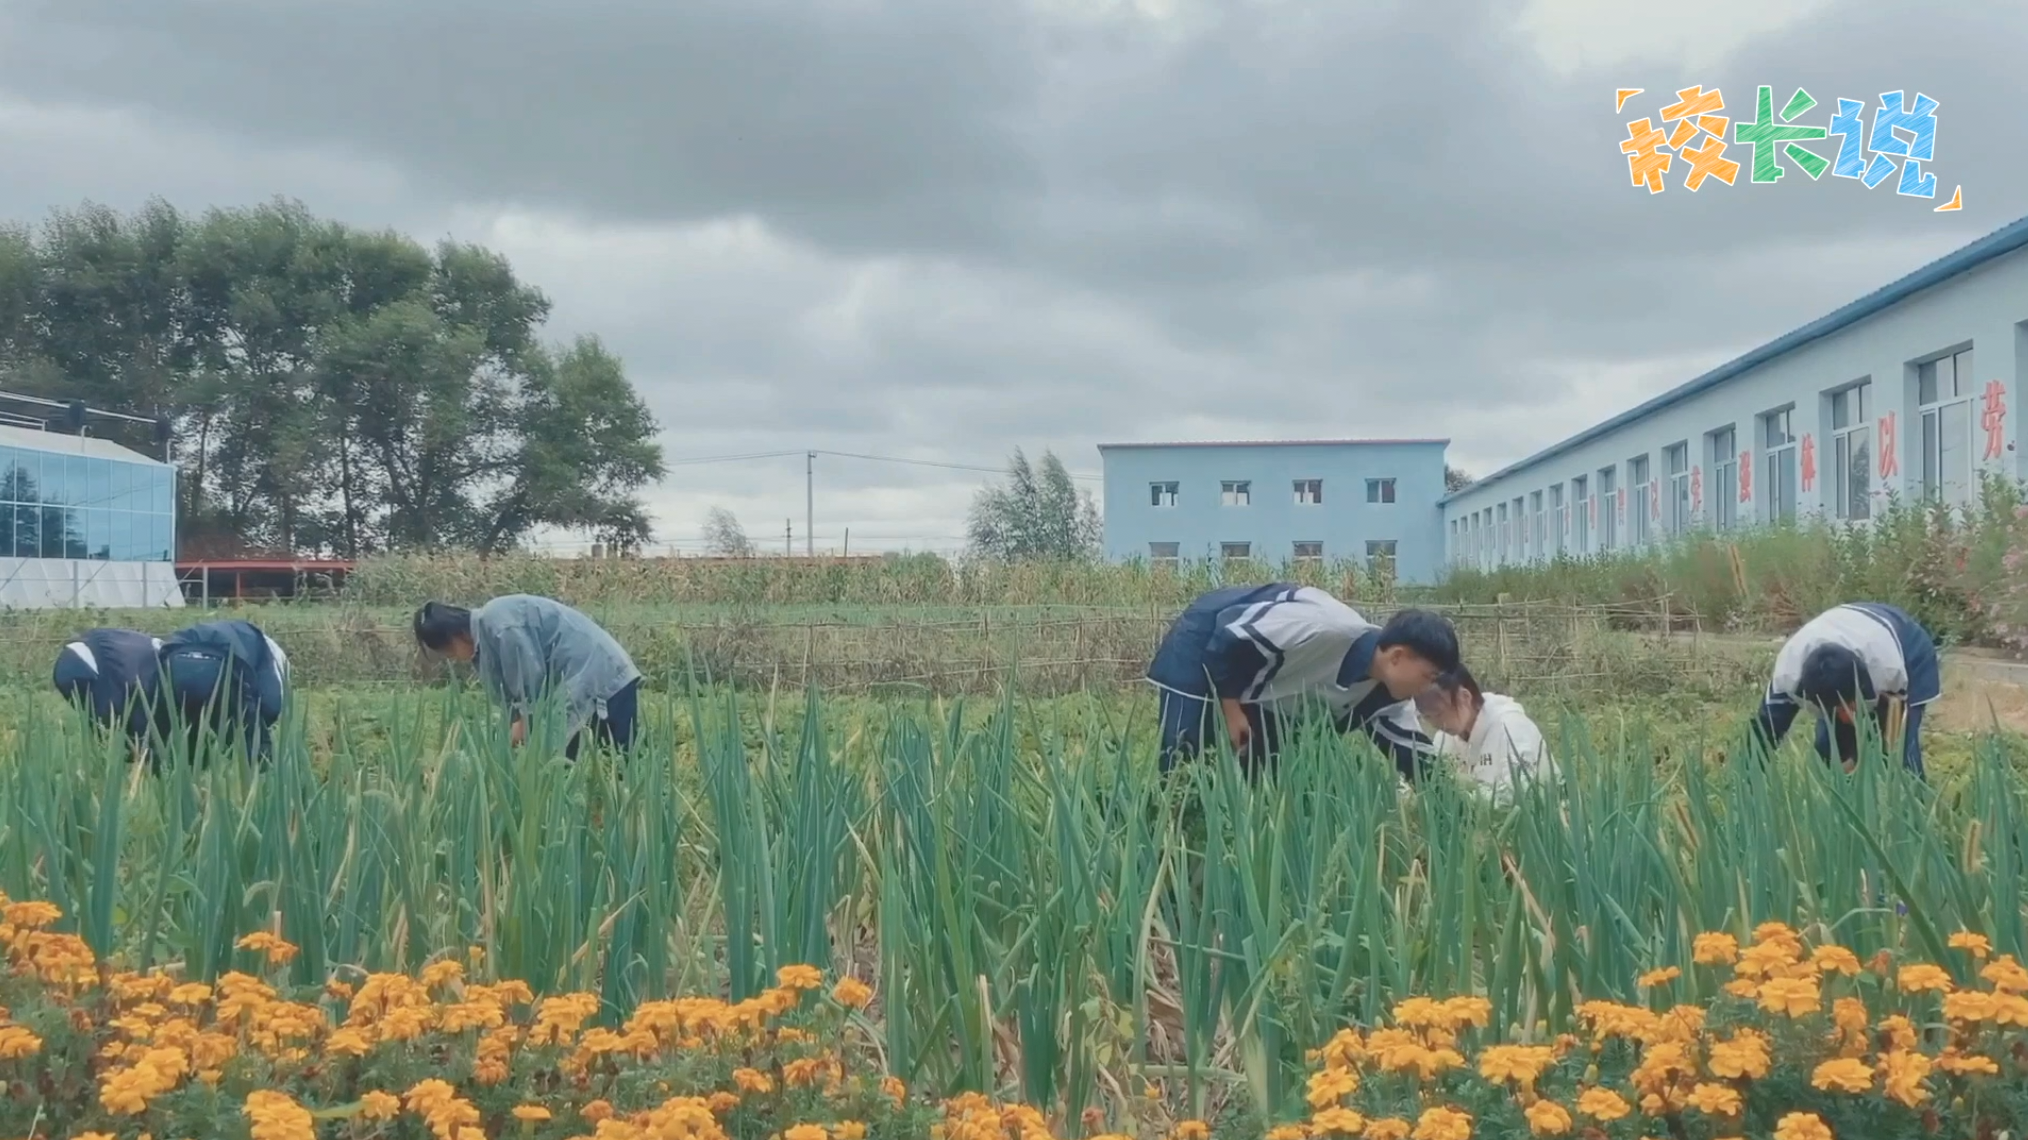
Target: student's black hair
pixel 437 625
pixel 1427 635
pixel 1833 675
pixel 1460 680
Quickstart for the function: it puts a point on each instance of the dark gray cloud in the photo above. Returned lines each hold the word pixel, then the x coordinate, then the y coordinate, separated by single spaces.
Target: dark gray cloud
pixel 944 230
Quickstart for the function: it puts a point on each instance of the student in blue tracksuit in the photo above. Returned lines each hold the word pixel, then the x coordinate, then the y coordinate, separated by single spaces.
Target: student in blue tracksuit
pixel 112 673
pixel 226 675
pixel 1247 658
pixel 1861 656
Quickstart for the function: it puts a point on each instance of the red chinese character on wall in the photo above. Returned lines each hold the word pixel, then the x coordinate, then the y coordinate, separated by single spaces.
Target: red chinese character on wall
pixel 1809 462
pixel 1746 476
pixel 1655 501
pixel 1620 502
pixel 1890 450
pixel 1994 418
pixel 1697 490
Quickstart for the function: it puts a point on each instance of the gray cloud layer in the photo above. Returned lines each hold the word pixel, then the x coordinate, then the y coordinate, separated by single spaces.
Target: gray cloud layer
pixel 943 230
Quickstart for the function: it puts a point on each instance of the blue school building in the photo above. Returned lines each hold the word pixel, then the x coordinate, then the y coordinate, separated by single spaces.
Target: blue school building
pixel 1913 391
pixel 1267 504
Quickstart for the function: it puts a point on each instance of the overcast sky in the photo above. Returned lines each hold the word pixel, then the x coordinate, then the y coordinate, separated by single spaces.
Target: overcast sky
pixel 942 229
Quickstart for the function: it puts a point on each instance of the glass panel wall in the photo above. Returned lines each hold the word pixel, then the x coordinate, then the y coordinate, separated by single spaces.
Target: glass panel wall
pixel 75 506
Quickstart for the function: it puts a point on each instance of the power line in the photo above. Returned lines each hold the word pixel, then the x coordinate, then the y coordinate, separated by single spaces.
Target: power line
pixel 700 460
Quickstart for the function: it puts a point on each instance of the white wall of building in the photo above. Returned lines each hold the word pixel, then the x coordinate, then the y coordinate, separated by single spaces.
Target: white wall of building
pixel 1813 443
pixel 72 583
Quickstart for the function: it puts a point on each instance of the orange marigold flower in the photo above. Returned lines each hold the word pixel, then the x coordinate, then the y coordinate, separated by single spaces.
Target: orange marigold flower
pixel 1802 1126
pixel 849 1130
pixel 894 1089
pixel 807 1132
pixel 1837 959
pixel 530 1113
pixel 1746 1055
pixel 1902 1075
pixel 1519 1064
pixel 17 1042
pixel 1443 1124
pixel 852 993
pixel 799 977
pixel 1654 978
pixel 1794 997
pixel 1977 945
pixel 1192 1130
pixel 1329 1086
pixel 1846 1075
pixel 1715 1100
pixel 1290 1132
pixel 1714 949
pixel 1387 1128
pixel 752 1080
pixel 1336 1121
pixel 596 1111
pixel 1548 1118
pixel 379 1106
pixel 1602 1104
pixel 1922 976
pixel 1967 1064
pixel 2006 975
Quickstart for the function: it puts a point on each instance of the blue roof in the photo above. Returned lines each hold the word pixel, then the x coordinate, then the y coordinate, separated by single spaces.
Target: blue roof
pixel 1999 243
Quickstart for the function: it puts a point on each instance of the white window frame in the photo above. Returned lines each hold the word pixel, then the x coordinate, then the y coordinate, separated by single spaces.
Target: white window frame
pixel 1226 556
pixel 1608 536
pixel 1520 505
pixel 1776 460
pixel 1640 497
pixel 1374 557
pixel 1721 491
pixel 1852 457
pixel 1297 556
pixel 1309 492
pixel 1580 502
pixel 1164 489
pixel 1235 493
pixel 1559 520
pixel 1165 560
pixel 1933 409
pixel 1676 462
pixel 1541 550
pixel 1500 513
pixel 1381 491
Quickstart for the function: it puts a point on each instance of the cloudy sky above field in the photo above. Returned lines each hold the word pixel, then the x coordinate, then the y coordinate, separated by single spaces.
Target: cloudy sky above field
pixel 941 229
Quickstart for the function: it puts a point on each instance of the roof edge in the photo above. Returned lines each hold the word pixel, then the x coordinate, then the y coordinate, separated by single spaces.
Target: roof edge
pixel 1273 443
pixel 1999 243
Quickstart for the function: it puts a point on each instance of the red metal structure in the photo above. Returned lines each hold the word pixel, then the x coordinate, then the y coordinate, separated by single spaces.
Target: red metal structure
pixel 210 581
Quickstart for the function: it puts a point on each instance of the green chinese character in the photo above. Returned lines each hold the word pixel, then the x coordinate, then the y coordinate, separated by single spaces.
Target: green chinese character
pixel 1764 134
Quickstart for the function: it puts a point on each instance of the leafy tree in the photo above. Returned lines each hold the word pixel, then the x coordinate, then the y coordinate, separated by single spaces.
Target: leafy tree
pixel 1455 480
pixel 1037 515
pixel 723 536
pixel 332 389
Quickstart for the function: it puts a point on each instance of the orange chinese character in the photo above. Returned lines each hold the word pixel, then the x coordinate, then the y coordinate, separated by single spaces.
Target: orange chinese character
pixel 1746 476
pixel 1708 161
pixel 1809 462
pixel 1994 418
pixel 1697 490
pixel 1890 452
pixel 1645 160
pixel 1692 113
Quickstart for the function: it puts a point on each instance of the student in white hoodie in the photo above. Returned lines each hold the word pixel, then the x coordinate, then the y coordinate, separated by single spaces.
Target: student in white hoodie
pixel 1489 736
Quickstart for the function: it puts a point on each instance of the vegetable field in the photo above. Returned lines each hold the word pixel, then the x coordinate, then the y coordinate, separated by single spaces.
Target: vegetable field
pixel 1041 915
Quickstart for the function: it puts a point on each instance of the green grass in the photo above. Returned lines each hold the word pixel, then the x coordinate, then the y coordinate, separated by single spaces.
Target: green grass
pixel 1043 914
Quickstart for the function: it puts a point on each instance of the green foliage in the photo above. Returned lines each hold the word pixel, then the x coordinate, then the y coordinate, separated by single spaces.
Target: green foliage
pixel 1039 515
pixel 333 390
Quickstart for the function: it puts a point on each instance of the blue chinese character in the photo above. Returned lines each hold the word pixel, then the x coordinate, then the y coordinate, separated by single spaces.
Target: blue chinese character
pixel 1850 125
pixel 1920 122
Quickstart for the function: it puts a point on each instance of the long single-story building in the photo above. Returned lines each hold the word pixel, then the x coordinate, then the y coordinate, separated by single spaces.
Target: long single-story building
pixel 1910 391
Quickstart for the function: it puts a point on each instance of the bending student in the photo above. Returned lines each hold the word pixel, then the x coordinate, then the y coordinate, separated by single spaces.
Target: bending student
pixel 1255 654
pixel 112 673
pixel 527 648
pixel 1492 737
pixel 1859 655
pixel 227 675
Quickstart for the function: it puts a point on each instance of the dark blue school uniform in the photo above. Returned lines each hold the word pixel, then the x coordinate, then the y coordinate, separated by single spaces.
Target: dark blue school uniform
pixel 227 675
pixel 1900 659
pixel 1276 649
pixel 112 672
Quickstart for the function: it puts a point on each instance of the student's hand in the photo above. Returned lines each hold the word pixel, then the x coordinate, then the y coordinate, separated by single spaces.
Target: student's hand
pixel 1237 730
pixel 518 735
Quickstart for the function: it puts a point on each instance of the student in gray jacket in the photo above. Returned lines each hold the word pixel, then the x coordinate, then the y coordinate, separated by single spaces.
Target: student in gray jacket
pixel 526 648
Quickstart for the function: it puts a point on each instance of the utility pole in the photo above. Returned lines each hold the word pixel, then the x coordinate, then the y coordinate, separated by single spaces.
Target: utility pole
pixel 809 504
pixel 788 536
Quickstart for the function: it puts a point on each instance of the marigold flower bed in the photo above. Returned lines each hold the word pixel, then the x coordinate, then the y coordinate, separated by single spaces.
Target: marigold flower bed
pixel 1806 1043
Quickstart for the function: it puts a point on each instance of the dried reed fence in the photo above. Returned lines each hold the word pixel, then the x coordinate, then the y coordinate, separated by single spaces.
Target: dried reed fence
pixel 1518 646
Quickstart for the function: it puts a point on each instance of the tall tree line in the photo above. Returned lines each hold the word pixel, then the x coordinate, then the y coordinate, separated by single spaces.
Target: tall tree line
pixel 331 389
